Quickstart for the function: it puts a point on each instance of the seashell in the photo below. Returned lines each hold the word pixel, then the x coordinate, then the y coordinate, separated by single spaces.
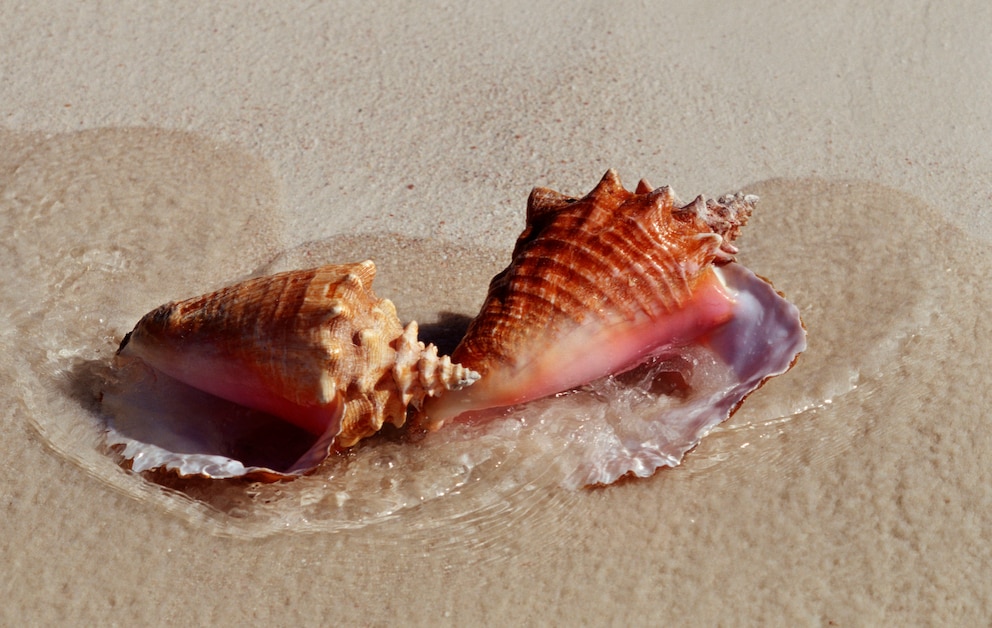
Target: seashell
pixel 315 348
pixel 599 285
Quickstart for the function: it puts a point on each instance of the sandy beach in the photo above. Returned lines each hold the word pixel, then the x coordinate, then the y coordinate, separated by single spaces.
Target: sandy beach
pixel 151 153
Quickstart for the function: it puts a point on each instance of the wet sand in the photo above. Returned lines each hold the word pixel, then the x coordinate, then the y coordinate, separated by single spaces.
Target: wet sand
pixel 153 155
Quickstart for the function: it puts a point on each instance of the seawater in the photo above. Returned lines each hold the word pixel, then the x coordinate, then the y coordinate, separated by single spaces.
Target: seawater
pixel 105 225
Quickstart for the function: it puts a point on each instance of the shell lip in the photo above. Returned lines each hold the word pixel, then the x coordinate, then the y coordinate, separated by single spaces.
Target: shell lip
pixel 764 340
pixel 155 422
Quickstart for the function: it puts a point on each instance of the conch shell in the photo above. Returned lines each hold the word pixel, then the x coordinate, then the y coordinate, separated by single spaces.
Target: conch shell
pixel 314 347
pixel 599 285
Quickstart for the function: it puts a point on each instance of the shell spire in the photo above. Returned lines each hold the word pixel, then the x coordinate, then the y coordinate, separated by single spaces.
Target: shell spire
pixel 420 373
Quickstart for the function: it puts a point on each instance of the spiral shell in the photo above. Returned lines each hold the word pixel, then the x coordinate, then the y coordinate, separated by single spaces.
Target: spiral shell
pixel 316 348
pixel 595 286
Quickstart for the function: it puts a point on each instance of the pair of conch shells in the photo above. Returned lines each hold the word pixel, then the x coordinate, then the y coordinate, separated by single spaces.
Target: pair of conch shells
pixel 596 287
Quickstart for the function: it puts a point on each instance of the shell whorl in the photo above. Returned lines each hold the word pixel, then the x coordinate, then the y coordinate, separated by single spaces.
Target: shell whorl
pixel 408 373
pixel 419 372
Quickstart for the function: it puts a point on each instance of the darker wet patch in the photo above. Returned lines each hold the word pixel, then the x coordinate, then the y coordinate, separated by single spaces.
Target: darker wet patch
pixel 446 332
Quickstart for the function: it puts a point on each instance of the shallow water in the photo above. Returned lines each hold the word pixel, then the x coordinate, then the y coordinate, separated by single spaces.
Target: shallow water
pixel 105 225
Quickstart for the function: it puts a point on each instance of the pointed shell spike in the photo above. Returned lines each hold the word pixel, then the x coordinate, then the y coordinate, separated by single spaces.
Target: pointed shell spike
pixel 544 201
pixel 664 197
pixel 609 185
pixel 419 372
pixel 643 187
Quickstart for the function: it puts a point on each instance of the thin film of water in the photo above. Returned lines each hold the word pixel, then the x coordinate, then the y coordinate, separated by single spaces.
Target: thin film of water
pixel 107 225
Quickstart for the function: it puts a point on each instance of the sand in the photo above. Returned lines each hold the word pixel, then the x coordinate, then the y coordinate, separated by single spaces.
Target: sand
pixel 153 153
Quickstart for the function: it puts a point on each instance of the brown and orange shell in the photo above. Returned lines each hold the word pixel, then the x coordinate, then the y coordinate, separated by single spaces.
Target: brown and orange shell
pixel 316 348
pixel 594 285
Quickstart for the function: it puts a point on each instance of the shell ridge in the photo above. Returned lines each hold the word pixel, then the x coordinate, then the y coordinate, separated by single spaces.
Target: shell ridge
pixel 670 275
pixel 653 267
pixel 581 264
pixel 532 298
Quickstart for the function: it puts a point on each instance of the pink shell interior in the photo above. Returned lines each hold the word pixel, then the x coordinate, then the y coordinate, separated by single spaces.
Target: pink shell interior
pixel 161 423
pixel 649 422
pixel 202 367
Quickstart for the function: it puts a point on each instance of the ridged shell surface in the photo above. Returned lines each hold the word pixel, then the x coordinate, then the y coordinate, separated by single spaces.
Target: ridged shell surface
pixel 314 347
pixel 594 285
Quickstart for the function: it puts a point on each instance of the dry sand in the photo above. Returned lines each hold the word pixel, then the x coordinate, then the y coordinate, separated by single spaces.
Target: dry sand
pixel 153 153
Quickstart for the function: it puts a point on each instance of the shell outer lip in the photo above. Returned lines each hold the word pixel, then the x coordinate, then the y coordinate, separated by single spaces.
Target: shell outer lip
pixel 746 348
